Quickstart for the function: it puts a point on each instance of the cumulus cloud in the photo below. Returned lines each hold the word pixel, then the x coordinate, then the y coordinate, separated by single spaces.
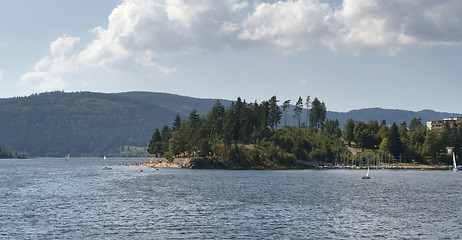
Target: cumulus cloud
pixel 388 26
pixel 290 25
pixel 141 32
pixel 46 75
pixel 354 27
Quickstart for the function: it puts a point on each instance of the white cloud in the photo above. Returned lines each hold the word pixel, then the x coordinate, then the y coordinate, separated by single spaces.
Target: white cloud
pixel 356 26
pixel 389 26
pixel 290 25
pixel 141 32
pixel 46 75
pixel 155 28
pixel 63 45
pixel 34 82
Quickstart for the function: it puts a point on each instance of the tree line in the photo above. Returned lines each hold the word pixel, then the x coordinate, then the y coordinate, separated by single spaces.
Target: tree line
pixel 413 143
pixel 7 154
pixel 249 135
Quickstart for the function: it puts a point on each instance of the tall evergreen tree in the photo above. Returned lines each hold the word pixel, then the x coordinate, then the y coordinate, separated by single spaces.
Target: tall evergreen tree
pixel 317 114
pixel 395 146
pixel 298 109
pixel 275 112
pixel 177 122
pixel 216 119
pixel 165 134
pixel 308 106
pixel 193 117
pixel 155 145
pixel 285 109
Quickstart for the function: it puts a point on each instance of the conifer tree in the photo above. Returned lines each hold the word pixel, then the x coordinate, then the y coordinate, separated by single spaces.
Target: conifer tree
pixel 298 109
pixel 285 109
pixel 155 145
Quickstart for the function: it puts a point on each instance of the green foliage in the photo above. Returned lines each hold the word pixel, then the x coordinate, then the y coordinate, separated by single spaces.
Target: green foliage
pixel 132 151
pixel 155 145
pixel 5 153
pixel 395 146
pixel 274 113
pixel 348 131
pixel 82 124
pixel 244 135
pixel 413 144
pixel 298 109
pixel 285 109
pixel 318 113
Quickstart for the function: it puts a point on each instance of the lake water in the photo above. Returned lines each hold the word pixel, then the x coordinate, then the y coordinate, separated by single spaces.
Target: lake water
pixel 58 199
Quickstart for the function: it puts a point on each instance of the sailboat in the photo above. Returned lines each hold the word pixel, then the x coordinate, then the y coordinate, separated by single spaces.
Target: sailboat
pixel 454 164
pixel 367 174
pixel 104 157
pixel 68 156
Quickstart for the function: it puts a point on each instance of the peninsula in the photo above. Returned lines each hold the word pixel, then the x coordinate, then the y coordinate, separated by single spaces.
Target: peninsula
pixel 250 136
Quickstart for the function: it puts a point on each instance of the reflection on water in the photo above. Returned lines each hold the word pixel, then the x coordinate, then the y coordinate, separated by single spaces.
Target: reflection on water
pixel 57 199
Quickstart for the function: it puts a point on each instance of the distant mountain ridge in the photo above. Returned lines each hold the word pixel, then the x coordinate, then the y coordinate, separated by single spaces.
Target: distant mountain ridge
pixel 181 104
pixel 96 124
pixel 389 115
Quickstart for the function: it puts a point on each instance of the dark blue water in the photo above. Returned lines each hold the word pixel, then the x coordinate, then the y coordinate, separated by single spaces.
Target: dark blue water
pixel 57 199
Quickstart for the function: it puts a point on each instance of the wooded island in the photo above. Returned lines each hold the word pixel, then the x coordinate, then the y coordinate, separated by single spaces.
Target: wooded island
pixel 248 136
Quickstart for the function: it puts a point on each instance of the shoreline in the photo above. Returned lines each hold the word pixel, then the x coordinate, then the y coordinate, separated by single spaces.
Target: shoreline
pixel 192 163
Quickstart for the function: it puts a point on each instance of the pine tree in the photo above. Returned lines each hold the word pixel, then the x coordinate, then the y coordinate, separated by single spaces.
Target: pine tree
pixel 298 109
pixel 348 131
pixel 275 112
pixel 177 122
pixel 285 109
pixel 394 142
pixel 155 145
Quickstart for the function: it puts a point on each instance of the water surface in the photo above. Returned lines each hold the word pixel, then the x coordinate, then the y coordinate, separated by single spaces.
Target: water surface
pixel 57 199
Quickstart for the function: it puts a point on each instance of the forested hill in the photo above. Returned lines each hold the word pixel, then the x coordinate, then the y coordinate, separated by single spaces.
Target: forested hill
pixel 97 124
pixel 84 123
pixel 181 104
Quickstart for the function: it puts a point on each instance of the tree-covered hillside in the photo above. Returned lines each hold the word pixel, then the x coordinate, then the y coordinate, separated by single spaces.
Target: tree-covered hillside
pixel 181 104
pixel 84 123
pixel 96 124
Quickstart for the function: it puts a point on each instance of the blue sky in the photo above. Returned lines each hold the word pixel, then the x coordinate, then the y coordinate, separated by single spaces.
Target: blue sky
pixel 350 54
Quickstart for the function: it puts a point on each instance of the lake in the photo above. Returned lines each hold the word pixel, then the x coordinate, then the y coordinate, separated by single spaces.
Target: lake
pixel 58 199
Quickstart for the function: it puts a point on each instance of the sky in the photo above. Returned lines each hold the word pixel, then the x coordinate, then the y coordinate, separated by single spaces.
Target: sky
pixel 350 54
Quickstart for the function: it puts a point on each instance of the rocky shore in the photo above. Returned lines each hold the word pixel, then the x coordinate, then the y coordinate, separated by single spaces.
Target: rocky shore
pixel 210 163
pixel 193 163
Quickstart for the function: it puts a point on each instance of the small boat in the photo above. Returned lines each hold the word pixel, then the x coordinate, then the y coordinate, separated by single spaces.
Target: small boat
pixel 107 168
pixel 140 170
pixel 367 174
pixel 422 169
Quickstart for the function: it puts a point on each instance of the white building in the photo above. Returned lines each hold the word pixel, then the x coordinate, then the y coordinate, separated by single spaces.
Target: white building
pixel 437 124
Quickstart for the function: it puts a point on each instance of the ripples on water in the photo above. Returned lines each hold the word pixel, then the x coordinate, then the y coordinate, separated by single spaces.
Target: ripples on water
pixel 57 199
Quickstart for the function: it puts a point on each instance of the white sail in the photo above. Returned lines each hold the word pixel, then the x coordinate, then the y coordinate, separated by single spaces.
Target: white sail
pixel 454 167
